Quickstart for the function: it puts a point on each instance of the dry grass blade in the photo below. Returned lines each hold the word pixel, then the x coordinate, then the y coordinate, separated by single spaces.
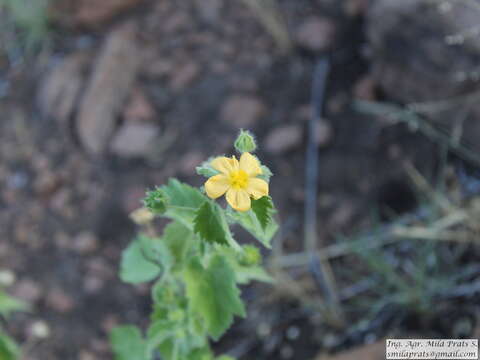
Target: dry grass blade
pixel 270 17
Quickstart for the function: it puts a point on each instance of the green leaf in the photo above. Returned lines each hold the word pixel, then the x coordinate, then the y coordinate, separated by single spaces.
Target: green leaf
pixel 263 209
pixel 246 270
pixel 128 344
pixel 159 332
pixel 9 304
pixel 183 201
pixel 178 238
pixel 213 294
pixel 138 261
pixel 249 221
pixel 8 349
pixel 210 225
pixel 206 169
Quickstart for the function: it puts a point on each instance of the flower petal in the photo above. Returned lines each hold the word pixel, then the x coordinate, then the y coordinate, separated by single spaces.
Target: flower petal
pixel 238 199
pixel 250 164
pixel 216 186
pixel 257 188
pixel 225 165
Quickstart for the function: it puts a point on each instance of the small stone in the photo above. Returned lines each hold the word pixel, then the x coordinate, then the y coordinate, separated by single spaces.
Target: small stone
pixel 27 290
pixel 323 133
pixel 138 108
pixel 86 355
pixel 39 330
pixel 183 76
pixel 46 183
pixel 7 278
pixel 283 138
pixel 59 301
pixel 242 111
pixel 316 33
pixel 93 284
pixel 134 140
pixel 85 242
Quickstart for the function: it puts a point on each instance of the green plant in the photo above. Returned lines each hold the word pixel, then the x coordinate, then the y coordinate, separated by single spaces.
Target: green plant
pixel 8 348
pixel 196 263
pixel 29 18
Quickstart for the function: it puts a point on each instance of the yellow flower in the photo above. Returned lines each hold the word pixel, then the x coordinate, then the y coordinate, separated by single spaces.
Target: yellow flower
pixel 238 179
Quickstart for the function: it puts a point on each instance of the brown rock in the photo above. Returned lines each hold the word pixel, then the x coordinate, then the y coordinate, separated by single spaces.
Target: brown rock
pixel 92 284
pixel 183 75
pixel 108 87
pixel 60 301
pixel 90 13
pixel 283 138
pixel 242 111
pixel 46 183
pixel 138 108
pixel 134 140
pixel 61 87
pixel 316 33
pixel 86 355
pixel 85 242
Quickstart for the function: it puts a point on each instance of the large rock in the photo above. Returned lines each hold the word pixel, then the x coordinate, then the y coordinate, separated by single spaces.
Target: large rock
pixel 60 89
pixel 108 88
pixel 426 51
pixel 90 13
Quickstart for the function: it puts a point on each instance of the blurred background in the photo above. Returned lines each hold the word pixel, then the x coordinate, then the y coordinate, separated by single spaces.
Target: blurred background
pixel 101 99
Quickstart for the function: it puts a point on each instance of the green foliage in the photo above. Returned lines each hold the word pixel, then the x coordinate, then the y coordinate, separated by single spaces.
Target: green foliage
pixel 263 209
pixel 156 201
pixel 8 349
pixel 139 262
pixel 213 294
pixel 266 173
pixel 30 17
pixel 205 169
pixel 128 344
pixel 209 224
pixel 197 266
pixel 184 202
pixel 9 304
pixel 250 222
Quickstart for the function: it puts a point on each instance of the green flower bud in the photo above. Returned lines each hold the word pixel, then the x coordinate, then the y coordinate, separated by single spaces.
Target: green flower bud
pixel 156 201
pixel 251 256
pixel 245 142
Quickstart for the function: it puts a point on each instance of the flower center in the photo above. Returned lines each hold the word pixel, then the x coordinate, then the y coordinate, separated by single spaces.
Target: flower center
pixel 238 179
